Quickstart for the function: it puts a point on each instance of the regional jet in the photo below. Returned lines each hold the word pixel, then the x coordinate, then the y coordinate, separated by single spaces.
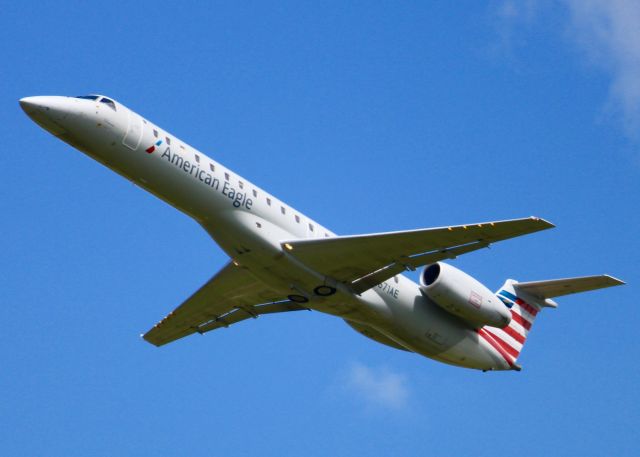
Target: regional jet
pixel 283 261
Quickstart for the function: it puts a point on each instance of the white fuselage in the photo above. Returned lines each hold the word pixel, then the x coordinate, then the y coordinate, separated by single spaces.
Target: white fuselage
pixel 249 224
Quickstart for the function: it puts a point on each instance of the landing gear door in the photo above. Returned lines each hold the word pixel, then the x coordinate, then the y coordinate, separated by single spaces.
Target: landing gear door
pixel 134 131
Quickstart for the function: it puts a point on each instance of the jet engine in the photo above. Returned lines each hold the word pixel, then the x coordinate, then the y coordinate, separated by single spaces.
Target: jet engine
pixel 458 293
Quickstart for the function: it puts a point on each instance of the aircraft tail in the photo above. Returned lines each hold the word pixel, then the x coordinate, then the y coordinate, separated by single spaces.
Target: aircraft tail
pixel 526 300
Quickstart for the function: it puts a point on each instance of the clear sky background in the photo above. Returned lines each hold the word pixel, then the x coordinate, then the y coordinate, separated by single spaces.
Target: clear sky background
pixel 366 116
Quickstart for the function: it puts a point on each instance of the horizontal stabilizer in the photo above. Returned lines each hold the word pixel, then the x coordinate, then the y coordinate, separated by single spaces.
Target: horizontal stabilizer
pixel 559 287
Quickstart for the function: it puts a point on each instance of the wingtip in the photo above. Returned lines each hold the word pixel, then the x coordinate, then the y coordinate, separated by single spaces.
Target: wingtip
pixel 145 336
pixel 615 281
pixel 545 223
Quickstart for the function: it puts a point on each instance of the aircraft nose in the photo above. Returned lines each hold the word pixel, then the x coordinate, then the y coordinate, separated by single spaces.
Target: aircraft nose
pixel 53 106
pixel 50 112
pixel 30 104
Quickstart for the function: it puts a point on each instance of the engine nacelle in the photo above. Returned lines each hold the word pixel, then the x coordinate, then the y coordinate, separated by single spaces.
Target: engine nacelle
pixel 458 293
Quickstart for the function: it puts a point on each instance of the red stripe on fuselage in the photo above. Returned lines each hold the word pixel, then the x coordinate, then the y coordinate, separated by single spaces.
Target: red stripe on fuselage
pixel 488 338
pixel 506 346
pixel 527 307
pixel 513 334
pixel 520 320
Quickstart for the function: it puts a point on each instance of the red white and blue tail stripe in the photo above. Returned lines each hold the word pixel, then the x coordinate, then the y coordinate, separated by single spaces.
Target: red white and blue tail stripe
pixel 508 341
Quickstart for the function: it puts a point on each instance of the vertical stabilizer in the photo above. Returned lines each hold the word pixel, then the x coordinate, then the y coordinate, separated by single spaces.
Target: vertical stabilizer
pixel 508 341
pixel 525 300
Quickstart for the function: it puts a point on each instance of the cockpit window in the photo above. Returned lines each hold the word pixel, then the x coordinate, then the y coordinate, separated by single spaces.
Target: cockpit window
pixel 108 102
pixel 88 97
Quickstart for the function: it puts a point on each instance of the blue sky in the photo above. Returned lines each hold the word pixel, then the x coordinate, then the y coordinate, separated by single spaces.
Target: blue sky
pixel 366 117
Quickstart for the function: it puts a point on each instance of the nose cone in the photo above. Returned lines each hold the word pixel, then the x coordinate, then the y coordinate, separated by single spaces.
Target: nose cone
pixel 50 112
pixel 30 104
pixel 52 106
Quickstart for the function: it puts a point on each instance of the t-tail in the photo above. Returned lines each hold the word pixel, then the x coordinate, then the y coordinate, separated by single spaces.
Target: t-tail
pixel 525 301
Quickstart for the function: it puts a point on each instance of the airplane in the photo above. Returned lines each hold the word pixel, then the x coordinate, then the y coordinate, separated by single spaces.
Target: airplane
pixel 283 261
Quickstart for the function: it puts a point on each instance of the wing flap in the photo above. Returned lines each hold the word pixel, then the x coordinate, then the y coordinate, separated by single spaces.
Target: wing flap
pixel 240 314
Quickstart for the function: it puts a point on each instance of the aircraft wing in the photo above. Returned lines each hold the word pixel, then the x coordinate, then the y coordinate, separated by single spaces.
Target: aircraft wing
pixel 363 261
pixel 232 295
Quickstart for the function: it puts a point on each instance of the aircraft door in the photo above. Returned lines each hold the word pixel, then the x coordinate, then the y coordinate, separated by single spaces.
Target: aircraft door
pixel 134 131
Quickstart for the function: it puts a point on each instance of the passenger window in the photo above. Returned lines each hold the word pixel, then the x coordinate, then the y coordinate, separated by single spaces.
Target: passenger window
pixel 241 184
pixel 283 210
pixel 197 156
pixel 226 176
pixel 255 193
pixel 311 227
pixel 155 133
pixel 168 140
pixel 269 201
pixel 297 219
pixel 212 167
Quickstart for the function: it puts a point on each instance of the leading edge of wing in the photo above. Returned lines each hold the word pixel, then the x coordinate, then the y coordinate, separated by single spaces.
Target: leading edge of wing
pixel 533 224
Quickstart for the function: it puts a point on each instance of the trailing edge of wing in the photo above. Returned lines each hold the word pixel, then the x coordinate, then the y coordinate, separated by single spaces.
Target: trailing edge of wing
pixel 362 261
